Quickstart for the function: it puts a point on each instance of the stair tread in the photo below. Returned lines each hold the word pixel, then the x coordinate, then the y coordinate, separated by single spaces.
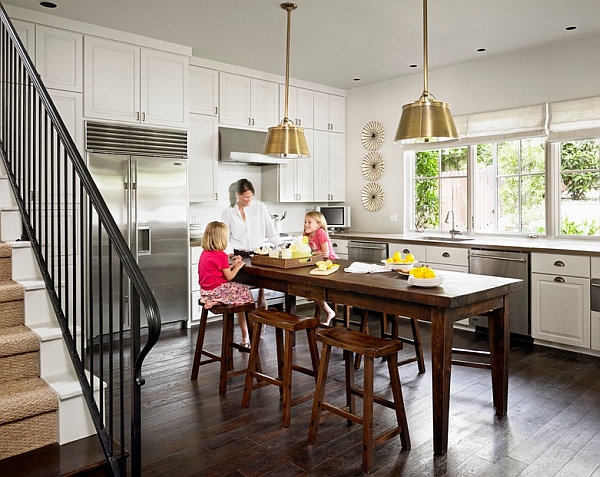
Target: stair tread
pixel 18 340
pixel 83 456
pixel 26 398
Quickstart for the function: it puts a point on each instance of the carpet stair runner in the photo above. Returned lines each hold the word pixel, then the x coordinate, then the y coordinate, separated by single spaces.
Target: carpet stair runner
pixel 28 405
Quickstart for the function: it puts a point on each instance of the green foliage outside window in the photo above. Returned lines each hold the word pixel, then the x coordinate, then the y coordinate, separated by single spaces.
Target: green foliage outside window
pixel 582 157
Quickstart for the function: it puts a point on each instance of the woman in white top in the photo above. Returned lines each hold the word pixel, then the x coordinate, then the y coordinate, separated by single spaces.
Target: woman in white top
pixel 249 224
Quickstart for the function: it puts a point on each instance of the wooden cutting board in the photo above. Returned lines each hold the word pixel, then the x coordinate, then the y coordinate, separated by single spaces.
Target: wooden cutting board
pixel 316 271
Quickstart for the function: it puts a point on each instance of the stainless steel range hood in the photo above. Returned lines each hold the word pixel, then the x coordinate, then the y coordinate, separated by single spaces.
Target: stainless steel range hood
pixel 244 146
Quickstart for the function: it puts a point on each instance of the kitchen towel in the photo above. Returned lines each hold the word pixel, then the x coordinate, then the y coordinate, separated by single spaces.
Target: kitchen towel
pixel 361 267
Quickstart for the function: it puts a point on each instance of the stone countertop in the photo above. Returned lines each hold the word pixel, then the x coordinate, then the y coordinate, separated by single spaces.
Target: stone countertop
pixel 520 243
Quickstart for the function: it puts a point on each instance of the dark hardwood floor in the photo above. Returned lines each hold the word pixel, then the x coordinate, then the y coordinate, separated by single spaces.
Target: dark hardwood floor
pixel 552 426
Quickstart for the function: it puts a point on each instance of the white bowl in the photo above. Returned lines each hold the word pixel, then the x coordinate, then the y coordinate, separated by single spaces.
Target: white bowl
pixel 426 282
pixel 396 266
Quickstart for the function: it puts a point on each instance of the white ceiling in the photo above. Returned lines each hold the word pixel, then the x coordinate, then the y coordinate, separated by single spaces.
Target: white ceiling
pixel 335 41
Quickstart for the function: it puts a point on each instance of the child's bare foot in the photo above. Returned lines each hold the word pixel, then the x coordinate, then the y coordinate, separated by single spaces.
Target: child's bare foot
pixel 330 316
pixel 210 304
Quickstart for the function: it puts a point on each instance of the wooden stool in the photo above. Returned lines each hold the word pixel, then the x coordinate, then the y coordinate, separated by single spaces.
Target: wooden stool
pixel 227 343
pixel 370 347
pixel 288 323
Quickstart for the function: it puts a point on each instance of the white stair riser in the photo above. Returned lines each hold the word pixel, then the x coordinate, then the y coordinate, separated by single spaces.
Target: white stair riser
pixel 74 421
pixel 10 225
pixel 55 358
pixel 24 266
pixel 7 199
pixel 38 308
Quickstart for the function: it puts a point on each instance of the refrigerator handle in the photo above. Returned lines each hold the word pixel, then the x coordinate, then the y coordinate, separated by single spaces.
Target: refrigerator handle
pixel 144 239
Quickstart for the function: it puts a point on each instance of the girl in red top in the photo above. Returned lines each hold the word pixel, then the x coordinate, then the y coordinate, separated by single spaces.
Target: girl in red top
pixel 216 274
pixel 315 228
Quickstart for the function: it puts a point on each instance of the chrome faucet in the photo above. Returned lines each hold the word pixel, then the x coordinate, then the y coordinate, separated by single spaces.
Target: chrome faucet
pixel 453 231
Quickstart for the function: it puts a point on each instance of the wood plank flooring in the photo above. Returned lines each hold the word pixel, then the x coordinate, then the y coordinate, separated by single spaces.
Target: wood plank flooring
pixel 552 427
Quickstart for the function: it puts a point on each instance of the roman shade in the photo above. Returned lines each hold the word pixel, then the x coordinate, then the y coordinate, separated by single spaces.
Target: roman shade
pixel 575 119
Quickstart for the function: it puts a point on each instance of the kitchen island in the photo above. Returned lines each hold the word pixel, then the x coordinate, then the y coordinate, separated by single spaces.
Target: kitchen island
pixel 460 296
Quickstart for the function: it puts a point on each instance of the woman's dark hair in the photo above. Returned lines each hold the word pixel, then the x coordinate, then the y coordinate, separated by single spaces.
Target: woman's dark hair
pixel 239 187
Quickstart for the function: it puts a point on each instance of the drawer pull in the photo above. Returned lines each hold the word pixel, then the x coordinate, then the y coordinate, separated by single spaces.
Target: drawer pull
pixel 445 255
pixel 406 250
pixel 559 263
pixel 559 279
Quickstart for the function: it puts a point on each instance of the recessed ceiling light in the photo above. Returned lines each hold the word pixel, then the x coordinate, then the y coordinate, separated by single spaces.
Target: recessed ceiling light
pixel 356 79
pixel 481 49
pixel 48 4
pixel 571 28
pixel 413 66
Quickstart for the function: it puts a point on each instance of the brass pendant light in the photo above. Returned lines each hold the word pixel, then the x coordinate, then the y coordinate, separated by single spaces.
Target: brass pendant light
pixel 426 120
pixel 286 140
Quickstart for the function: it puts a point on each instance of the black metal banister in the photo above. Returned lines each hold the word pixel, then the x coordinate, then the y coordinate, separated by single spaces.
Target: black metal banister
pixel 50 180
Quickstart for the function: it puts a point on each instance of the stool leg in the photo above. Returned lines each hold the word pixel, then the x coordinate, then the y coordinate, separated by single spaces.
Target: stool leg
pixel 392 361
pixel 367 453
pixel 253 364
pixel 226 353
pixel 199 343
pixel 286 403
pixel 350 398
pixel 279 343
pixel 315 416
pixel 364 328
pixel 311 336
pixel 414 324
pixel 230 327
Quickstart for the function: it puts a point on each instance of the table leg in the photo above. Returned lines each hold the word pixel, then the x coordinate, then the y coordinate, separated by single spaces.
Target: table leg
pixel 499 330
pixel 441 363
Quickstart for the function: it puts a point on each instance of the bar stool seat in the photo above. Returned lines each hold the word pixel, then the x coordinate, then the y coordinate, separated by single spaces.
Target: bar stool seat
pixel 288 324
pixel 371 347
pixel 227 343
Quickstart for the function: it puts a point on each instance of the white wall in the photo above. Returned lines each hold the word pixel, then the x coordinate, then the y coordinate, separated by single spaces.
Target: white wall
pixel 568 70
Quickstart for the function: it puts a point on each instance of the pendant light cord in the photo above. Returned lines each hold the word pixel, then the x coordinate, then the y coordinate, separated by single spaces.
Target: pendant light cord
pixel 425 54
pixel 288 7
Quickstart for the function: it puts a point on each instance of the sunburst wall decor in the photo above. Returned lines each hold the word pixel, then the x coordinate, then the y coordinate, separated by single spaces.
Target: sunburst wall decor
pixel 372 135
pixel 372 196
pixel 372 166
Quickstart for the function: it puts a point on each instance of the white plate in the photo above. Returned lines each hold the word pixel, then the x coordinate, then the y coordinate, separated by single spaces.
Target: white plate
pixel 396 266
pixel 426 282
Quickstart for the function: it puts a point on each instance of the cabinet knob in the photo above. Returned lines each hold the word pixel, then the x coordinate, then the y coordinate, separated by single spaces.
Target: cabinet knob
pixel 299 122
pixel 137 116
pixel 445 255
pixel 559 279
pixel 216 110
pixel 559 263
pixel 249 122
pixel 406 250
pixel 143 117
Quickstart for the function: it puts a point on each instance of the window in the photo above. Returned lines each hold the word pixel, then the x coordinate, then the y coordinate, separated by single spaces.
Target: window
pixel 441 189
pixel 579 208
pixel 510 186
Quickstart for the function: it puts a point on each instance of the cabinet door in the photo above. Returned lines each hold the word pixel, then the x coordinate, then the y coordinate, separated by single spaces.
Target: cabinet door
pixel 304 108
pixel 287 182
pixel 337 167
pixel 321 111
pixel 405 248
pixel 321 175
pixel 560 309
pixel 26 32
pixel 595 330
pixel 337 113
pixel 264 104
pixel 305 172
pixel 234 100
pixel 204 91
pixel 69 105
pixel 59 58
pixel 112 80
pixel 202 158
pixel 164 88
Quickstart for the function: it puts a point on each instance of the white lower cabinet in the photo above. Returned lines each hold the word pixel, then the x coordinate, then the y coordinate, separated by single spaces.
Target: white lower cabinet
pixel 340 247
pixel 595 330
pixel 560 299
pixel 195 308
pixel 417 250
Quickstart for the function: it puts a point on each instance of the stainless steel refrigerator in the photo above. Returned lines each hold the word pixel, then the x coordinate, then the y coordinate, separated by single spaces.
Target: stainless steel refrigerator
pixel 148 199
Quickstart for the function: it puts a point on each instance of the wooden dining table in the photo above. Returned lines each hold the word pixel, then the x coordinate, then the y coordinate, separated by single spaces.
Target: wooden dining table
pixel 460 296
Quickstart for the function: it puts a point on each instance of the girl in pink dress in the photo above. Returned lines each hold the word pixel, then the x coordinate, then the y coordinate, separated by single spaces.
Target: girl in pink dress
pixel 315 228
pixel 216 274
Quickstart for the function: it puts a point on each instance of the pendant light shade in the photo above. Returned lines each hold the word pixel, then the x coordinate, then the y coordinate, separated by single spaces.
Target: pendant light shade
pixel 426 120
pixel 286 140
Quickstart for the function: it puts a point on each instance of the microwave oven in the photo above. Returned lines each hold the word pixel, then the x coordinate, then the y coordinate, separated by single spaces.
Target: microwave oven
pixel 337 216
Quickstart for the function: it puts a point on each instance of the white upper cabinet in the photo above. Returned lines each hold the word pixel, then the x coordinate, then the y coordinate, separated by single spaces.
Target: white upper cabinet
pixel 68 104
pixel 204 91
pixel 128 83
pixel 329 112
pixel 202 158
pixel 26 32
pixel 248 102
pixel 329 163
pixel 300 106
pixel 59 58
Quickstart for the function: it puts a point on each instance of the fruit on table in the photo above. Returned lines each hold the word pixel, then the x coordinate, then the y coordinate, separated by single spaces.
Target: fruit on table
pixel 397 256
pixel 324 264
pixel 422 272
pixel 410 257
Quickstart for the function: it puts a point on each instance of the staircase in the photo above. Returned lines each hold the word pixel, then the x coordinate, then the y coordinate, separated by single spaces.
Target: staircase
pixel 40 397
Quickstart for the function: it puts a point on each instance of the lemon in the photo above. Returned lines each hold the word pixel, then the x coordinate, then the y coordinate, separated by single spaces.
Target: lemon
pixel 304 239
pixel 397 256
pixel 389 260
pixel 328 263
pixel 410 257
pixel 428 273
pixel 320 262
pixel 322 266
pixel 418 273
pixel 293 248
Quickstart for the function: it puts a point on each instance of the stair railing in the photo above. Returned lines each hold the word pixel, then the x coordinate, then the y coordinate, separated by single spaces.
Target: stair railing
pixel 92 278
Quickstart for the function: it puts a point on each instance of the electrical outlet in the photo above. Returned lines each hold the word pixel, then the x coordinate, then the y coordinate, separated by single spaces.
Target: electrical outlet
pixel 393 217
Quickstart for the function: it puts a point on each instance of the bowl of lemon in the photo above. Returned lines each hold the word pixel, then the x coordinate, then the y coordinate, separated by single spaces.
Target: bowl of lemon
pixel 397 262
pixel 425 277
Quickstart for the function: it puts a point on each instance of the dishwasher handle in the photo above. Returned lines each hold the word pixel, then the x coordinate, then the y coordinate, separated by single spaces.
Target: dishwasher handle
pixel 494 257
pixel 364 246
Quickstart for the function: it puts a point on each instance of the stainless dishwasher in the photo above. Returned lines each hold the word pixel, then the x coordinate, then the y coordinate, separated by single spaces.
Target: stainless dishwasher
pixel 372 252
pixel 510 265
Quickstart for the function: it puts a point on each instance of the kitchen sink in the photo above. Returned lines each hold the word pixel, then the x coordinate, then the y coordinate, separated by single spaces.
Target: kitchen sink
pixel 447 239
